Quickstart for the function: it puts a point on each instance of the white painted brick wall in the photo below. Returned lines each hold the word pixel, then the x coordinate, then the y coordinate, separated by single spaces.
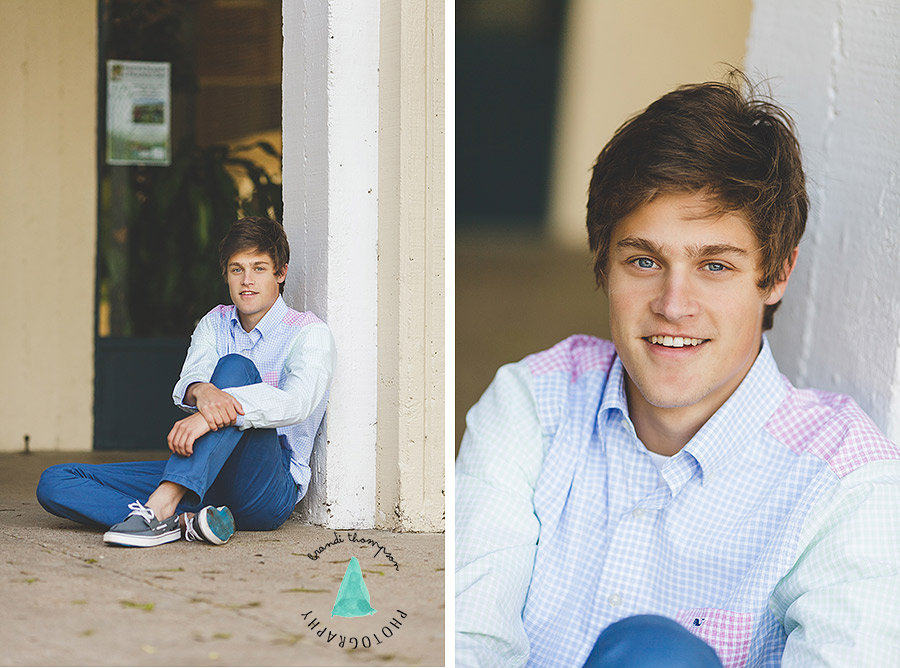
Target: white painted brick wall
pixel 330 126
pixel 836 66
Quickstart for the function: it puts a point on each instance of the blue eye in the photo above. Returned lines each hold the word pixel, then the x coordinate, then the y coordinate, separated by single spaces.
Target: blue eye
pixel 645 263
pixel 716 267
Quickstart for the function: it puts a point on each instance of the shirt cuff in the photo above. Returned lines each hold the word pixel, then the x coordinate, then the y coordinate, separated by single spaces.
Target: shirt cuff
pixel 180 391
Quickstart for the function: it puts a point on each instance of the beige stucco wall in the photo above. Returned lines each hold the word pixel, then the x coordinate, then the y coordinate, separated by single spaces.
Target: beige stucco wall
pixel 48 75
pixel 410 432
pixel 618 58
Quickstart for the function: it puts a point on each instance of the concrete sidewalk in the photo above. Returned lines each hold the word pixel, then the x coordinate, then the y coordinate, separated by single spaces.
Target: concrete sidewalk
pixel 68 599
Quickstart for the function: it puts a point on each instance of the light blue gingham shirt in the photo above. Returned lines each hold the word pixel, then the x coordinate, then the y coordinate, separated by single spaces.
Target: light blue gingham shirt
pixel 295 355
pixel 774 535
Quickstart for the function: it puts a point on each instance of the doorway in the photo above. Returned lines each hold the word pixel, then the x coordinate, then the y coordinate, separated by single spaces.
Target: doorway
pixel 189 140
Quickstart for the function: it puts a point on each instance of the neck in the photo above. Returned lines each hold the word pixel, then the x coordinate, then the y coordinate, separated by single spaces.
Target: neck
pixel 664 431
pixel 248 322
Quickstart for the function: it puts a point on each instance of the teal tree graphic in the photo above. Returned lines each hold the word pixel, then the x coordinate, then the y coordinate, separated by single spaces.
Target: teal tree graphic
pixel 353 597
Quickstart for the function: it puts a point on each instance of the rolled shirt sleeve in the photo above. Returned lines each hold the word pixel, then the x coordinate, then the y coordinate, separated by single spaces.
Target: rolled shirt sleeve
pixel 496 528
pixel 840 603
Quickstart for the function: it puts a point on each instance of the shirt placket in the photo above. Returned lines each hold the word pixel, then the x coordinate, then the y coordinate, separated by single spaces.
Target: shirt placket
pixel 244 342
pixel 634 509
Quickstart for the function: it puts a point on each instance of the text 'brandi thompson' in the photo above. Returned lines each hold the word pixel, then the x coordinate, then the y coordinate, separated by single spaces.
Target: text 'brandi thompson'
pixel 354 537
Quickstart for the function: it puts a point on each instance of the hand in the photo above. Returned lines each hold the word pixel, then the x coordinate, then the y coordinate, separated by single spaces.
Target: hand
pixel 219 408
pixel 185 432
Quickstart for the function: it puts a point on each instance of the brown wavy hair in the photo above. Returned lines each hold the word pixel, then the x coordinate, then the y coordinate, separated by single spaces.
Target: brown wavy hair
pixel 737 148
pixel 260 235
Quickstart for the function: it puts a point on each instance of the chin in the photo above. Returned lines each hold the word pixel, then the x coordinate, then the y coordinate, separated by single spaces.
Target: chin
pixel 668 402
pixel 678 398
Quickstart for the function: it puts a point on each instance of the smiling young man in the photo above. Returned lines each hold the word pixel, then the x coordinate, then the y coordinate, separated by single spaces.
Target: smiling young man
pixel 255 381
pixel 668 498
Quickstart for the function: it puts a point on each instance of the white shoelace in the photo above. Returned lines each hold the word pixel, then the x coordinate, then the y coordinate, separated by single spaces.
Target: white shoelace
pixel 189 532
pixel 137 508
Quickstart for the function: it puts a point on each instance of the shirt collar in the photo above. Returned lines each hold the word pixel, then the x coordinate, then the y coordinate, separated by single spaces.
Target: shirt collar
pixel 741 417
pixel 614 392
pixel 269 321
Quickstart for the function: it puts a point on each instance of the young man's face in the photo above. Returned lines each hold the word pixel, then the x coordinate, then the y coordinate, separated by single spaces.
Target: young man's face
pixel 253 285
pixel 688 279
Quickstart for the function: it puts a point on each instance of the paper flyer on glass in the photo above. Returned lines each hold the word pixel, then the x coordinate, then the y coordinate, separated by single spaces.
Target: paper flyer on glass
pixel 138 110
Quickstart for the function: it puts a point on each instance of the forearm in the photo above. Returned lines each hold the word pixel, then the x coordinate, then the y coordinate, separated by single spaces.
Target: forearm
pixel 267 407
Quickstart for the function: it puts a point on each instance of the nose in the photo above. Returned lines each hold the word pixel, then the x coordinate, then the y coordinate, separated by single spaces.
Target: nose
pixel 676 298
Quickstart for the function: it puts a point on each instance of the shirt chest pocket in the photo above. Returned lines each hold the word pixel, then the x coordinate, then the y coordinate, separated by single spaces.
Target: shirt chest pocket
pixel 729 633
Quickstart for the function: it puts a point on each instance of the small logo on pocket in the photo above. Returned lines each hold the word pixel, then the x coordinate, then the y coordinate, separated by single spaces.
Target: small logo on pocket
pixel 728 632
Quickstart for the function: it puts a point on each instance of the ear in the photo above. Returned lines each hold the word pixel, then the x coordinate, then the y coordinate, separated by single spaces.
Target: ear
pixel 777 291
pixel 282 274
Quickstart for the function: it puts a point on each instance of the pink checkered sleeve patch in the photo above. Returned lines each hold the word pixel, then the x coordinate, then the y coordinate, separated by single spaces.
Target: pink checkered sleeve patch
pixel 831 427
pixel 577 354
pixel 727 632
pixel 298 319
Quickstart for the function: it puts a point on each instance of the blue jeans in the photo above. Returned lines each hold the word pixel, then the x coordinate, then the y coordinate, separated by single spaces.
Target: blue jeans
pixel 248 471
pixel 650 641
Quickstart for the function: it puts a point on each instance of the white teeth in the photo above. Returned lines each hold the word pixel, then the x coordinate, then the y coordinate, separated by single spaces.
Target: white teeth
pixel 675 341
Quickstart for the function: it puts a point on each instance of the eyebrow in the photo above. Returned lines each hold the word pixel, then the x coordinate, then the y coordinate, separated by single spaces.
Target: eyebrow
pixel 693 250
pixel 252 264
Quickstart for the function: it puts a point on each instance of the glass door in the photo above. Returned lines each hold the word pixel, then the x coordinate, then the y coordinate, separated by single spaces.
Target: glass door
pixel 189 127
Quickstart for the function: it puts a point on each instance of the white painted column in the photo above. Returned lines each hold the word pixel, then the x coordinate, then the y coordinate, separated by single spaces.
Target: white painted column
pixel 330 125
pixel 839 327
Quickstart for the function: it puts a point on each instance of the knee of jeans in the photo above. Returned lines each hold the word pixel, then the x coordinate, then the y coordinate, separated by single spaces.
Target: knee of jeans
pixel 235 370
pixel 650 641
pixel 49 484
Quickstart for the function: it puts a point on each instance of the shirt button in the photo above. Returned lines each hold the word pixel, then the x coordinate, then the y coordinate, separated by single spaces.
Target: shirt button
pixel 638 513
pixel 615 600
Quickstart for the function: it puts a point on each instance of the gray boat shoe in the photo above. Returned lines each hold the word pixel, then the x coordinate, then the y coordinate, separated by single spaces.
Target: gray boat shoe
pixel 142 529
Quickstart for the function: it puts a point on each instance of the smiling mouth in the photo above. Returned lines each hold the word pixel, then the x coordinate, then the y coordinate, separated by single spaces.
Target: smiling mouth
pixel 675 341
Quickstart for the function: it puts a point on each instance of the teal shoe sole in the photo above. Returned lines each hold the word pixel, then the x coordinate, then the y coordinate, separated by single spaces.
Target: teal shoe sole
pixel 216 524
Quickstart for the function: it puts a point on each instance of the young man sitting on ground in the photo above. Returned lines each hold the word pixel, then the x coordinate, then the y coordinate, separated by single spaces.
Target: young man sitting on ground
pixel 255 381
pixel 668 498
